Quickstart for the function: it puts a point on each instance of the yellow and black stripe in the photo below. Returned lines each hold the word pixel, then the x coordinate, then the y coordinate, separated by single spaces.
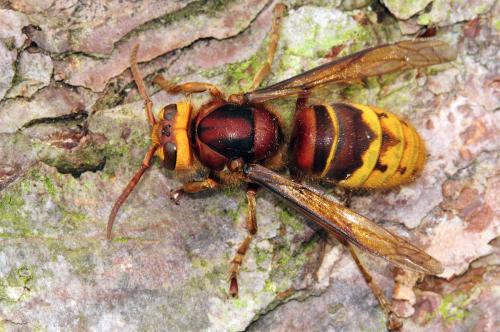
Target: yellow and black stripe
pixel 356 146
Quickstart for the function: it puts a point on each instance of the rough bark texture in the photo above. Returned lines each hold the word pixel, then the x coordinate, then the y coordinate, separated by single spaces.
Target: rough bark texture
pixel 73 132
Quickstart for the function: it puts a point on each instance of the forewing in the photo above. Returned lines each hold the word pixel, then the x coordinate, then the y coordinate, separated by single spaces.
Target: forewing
pixel 374 61
pixel 345 223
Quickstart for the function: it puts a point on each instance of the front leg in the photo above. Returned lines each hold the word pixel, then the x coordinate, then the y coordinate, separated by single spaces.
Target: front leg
pixel 234 270
pixel 188 87
pixel 264 71
pixel 193 187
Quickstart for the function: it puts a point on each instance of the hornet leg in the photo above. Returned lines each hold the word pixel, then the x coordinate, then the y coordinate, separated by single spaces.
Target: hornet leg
pixel 234 270
pixel 193 187
pixel 393 322
pixel 278 12
pixel 188 88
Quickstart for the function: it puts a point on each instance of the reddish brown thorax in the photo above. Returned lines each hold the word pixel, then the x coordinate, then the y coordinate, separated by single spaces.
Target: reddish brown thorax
pixel 222 132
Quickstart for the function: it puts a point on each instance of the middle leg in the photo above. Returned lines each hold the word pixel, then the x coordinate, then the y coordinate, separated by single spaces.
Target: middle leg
pixel 234 270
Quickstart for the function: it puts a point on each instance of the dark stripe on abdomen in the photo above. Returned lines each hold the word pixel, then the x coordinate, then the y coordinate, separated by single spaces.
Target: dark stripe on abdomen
pixel 324 138
pixel 354 139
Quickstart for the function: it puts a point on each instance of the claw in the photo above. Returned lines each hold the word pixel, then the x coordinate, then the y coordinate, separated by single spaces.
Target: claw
pixel 393 322
pixel 233 288
pixel 175 195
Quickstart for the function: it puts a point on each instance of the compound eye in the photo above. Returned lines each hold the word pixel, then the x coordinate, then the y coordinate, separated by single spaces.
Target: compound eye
pixel 169 112
pixel 170 153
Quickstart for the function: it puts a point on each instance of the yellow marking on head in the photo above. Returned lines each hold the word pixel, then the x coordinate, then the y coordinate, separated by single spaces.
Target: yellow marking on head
pixel 184 155
pixel 155 138
pixel 180 128
pixel 179 136
pixel 183 115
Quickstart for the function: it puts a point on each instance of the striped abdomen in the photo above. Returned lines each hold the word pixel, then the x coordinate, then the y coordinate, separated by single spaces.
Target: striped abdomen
pixel 356 146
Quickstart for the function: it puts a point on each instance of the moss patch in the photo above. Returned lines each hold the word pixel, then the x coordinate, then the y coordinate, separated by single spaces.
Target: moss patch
pixel 127 138
pixel 38 204
pixel 287 265
pixel 14 221
pixel 325 29
pixel 239 76
pixel 453 308
pixel 291 220
pixel 17 285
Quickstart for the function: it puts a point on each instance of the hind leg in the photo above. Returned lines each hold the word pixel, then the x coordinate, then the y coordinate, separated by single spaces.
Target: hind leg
pixel 393 323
